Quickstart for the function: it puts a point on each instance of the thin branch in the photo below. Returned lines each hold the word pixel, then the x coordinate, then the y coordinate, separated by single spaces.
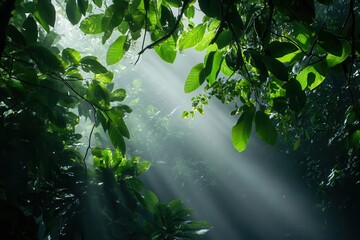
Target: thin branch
pixel 168 35
pixel 146 2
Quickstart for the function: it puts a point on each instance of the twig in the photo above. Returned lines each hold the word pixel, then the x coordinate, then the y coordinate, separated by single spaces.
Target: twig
pixel 168 35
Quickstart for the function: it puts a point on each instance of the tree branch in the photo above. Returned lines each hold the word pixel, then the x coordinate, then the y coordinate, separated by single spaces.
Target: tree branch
pixel 168 35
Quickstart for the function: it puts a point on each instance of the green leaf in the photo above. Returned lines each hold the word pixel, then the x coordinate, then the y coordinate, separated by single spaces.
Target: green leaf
pixel 333 60
pixel 355 139
pixel 330 43
pixel 312 72
pixel 98 3
pixel 194 79
pixel 30 30
pixel 225 69
pixel 191 38
pixel 44 58
pixel 118 95
pixel 116 138
pixel 276 67
pixel 73 12
pixel 150 200
pixel 136 20
pixel 257 61
pixel 83 6
pixel 212 8
pixel 46 11
pixel 297 97
pixel 190 12
pixel 242 130
pixel 15 35
pixel 224 39
pixel 205 41
pixel 297 144
pixel 212 66
pixel 113 17
pixel 264 128
pixel 71 56
pixel 104 77
pixel 279 49
pixel 91 63
pixel 116 51
pixel 174 3
pixel 166 50
pixel 92 24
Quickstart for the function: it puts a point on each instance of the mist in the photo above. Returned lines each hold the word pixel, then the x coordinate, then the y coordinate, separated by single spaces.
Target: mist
pixel 256 194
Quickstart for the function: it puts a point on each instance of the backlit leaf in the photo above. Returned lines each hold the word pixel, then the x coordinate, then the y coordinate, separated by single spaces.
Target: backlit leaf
pixel 71 56
pixel 116 51
pixel 191 38
pixel 118 95
pixel 92 24
pixel 104 77
pixel 242 130
pixel 91 63
pixel 264 128
pixel 194 79
pixel 166 50
pixel 116 138
pixel 333 60
pixel 311 71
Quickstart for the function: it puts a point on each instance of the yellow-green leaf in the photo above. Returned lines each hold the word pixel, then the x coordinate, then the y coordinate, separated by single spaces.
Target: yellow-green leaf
pixel 116 51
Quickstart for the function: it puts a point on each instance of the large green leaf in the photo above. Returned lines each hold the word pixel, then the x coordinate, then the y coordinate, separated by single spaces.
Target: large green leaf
pixel 113 17
pixel 92 24
pixel 211 8
pixel 264 128
pixel 194 79
pixel 311 76
pixel 83 5
pixel 104 77
pixel 224 39
pixel 295 95
pixel 30 30
pixel 191 38
pixel 166 50
pixel 212 66
pixel 279 49
pixel 98 3
pixel 333 60
pixel 118 95
pixel 73 12
pixel 116 138
pixel 116 51
pixel 242 129
pixel 205 41
pixel 46 11
pixel 71 56
pixel 44 58
pixel 330 43
pixel 91 63
pixel 276 67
